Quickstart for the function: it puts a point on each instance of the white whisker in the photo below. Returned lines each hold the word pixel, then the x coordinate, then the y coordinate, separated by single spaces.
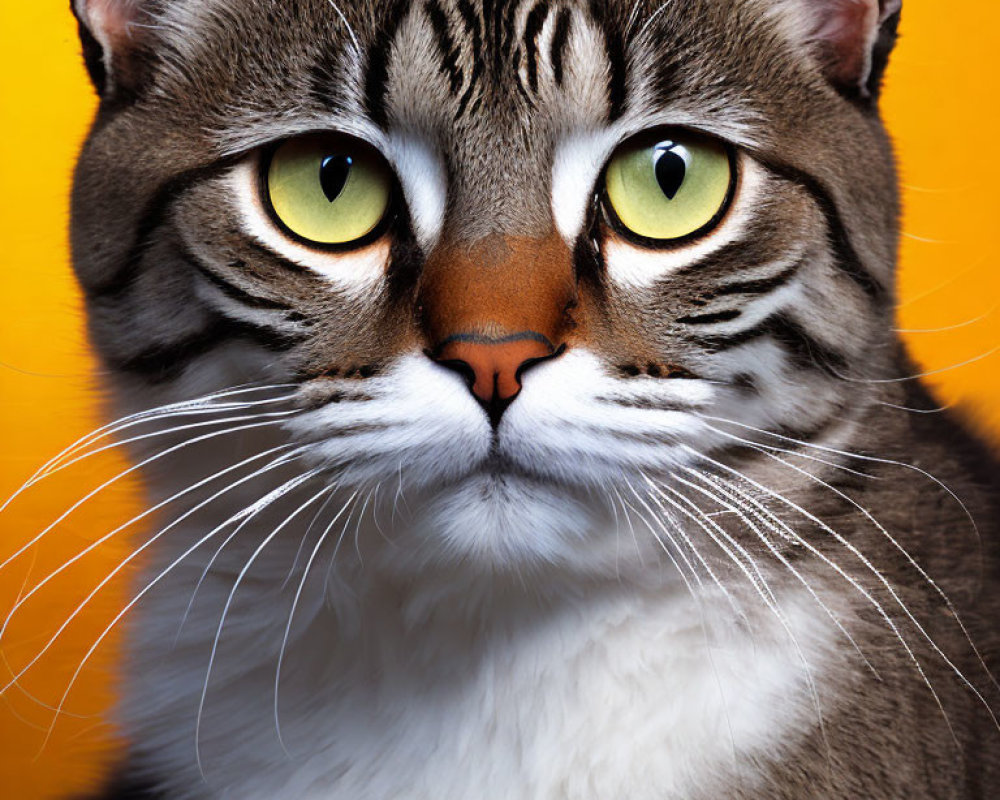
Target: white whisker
pixel 295 604
pixel 128 471
pixel 266 501
pixel 132 556
pixel 251 510
pixel 857 586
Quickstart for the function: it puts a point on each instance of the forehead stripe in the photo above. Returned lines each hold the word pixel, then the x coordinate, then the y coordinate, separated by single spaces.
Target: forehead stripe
pixel 559 41
pixel 379 53
pixel 446 45
pixel 532 28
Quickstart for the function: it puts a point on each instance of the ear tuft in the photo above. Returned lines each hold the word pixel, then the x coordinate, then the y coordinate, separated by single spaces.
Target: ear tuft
pixel 852 39
pixel 111 35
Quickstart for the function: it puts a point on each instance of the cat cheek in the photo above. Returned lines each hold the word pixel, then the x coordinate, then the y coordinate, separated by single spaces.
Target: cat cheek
pixel 356 274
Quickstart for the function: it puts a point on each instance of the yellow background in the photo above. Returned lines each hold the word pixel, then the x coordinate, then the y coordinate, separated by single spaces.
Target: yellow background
pixel 940 105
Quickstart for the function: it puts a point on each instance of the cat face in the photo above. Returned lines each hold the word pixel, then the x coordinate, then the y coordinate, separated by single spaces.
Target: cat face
pixel 515 258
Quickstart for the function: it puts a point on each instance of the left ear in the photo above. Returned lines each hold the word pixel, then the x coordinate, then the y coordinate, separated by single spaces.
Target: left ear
pixel 114 41
pixel 852 40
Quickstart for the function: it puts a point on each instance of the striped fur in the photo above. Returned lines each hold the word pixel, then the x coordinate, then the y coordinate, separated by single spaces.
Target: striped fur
pixel 768 340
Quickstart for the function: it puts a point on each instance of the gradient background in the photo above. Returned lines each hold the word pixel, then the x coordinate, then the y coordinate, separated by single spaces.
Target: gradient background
pixel 940 105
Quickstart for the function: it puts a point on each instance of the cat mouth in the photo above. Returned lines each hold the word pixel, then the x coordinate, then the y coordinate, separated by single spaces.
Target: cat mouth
pixel 499 467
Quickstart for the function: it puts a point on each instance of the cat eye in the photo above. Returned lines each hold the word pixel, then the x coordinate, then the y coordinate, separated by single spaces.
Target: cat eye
pixel 327 189
pixel 665 187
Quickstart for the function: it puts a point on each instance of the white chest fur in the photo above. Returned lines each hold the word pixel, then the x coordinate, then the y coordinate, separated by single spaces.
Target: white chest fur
pixel 608 694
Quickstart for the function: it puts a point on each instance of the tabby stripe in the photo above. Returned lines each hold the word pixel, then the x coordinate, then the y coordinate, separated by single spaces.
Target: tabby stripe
pixel 559 40
pixel 446 45
pixel 710 319
pixel 232 291
pixel 471 20
pixel 758 285
pixel 615 50
pixel 847 260
pixel 493 13
pixel 805 351
pixel 153 217
pixel 532 28
pixel 507 45
pixel 379 54
pixel 270 255
pixel 164 361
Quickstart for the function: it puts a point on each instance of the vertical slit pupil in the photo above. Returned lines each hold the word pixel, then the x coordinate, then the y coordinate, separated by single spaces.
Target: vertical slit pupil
pixel 333 172
pixel 671 169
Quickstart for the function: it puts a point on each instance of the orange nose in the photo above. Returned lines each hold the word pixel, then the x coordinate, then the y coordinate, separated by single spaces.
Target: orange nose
pixel 494 366
pixel 491 309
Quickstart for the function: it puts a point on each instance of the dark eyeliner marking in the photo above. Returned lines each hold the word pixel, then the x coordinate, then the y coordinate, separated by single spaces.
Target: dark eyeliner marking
pixel 153 216
pixel 847 259
pixel 233 291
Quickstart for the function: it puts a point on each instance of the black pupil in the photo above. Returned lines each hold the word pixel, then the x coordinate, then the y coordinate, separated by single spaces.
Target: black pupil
pixel 333 172
pixel 671 169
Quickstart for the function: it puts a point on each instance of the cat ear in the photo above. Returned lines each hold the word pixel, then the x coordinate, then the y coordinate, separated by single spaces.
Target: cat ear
pixel 852 39
pixel 112 37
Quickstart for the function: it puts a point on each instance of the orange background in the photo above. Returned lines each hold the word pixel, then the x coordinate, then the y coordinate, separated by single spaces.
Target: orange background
pixel 940 104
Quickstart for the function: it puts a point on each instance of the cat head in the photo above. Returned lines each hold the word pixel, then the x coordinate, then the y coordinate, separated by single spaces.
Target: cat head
pixel 515 258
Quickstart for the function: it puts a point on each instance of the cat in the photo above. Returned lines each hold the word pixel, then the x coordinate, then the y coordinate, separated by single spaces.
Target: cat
pixel 517 393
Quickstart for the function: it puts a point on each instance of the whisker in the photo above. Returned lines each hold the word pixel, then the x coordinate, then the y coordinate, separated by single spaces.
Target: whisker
pixel 251 510
pixel 937 410
pixel 923 574
pixel 859 457
pixel 302 543
pixel 124 563
pixel 179 409
pixel 726 495
pixel 696 596
pixel 129 470
pixel 857 586
pixel 955 327
pixel 273 496
pixel 295 603
pixel 763 448
pixel 763 590
pixel 679 529
pixel 211 562
pixel 628 520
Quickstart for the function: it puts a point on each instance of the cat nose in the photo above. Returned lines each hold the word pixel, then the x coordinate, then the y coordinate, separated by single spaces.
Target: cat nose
pixel 493 366
pixel 493 308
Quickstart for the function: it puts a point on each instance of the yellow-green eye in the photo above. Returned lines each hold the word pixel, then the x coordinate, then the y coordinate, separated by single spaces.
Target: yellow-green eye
pixel 669 187
pixel 328 189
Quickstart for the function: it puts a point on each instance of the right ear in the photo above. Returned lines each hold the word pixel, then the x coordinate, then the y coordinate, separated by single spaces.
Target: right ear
pixel 112 33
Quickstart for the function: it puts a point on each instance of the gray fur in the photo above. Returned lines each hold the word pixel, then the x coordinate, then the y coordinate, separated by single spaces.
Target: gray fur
pixel 175 287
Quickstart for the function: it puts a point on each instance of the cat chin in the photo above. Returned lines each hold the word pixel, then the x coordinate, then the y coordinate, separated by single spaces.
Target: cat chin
pixel 501 521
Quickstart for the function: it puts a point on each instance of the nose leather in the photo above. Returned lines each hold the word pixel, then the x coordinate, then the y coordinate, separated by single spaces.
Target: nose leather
pixel 496 307
pixel 495 365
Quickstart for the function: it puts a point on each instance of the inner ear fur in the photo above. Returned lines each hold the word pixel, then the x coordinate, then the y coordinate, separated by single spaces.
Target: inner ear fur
pixel 852 40
pixel 114 36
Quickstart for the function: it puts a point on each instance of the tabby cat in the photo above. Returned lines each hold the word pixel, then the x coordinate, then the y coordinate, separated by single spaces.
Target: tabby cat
pixel 517 393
